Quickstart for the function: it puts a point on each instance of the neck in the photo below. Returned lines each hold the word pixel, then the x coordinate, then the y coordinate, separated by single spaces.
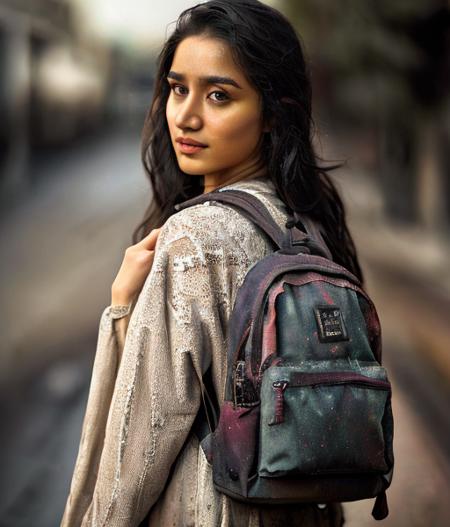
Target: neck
pixel 213 182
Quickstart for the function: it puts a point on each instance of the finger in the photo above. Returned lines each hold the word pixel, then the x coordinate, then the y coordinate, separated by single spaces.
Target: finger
pixel 149 241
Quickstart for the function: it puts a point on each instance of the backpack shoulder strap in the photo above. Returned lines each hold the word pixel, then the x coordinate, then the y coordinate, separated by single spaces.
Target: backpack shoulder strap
pixel 250 207
pixel 253 208
pixel 312 228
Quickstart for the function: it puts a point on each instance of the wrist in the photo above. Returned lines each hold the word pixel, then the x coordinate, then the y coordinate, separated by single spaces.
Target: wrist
pixel 120 301
pixel 120 298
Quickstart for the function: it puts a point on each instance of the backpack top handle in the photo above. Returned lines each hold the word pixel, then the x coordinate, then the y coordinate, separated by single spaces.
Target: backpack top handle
pixel 253 209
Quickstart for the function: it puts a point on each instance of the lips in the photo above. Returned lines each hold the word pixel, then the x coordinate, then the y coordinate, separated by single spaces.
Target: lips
pixel 189 141
pixel 189 146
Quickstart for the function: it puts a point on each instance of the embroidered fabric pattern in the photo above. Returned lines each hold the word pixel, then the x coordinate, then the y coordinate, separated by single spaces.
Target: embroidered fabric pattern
pixel 145 390
pixel 116 312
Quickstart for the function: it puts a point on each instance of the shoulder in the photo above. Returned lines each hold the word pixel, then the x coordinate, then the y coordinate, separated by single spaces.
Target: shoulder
pixel 205 224
pixel 212 238
pixel 220 229
pixel 212 220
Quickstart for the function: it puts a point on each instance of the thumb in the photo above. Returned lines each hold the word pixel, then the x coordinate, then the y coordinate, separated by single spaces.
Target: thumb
pixel 149 241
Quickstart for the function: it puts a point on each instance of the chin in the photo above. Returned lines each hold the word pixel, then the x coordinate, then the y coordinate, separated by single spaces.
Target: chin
pixel 191 169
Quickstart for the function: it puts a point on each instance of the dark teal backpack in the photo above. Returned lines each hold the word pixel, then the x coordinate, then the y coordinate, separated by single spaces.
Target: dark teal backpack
pixel 307 413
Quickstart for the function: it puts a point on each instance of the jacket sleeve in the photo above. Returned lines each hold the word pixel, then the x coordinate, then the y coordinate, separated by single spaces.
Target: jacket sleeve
pixel 138 417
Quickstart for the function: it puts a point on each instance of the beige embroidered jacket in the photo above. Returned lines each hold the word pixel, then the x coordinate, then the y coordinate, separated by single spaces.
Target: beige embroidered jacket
pixel 138 459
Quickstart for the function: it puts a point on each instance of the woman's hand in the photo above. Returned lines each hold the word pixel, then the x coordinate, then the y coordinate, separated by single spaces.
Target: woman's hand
pixel 135 267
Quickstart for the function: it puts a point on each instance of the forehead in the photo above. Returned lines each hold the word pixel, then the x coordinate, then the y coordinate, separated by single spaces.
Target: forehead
pixel 199 55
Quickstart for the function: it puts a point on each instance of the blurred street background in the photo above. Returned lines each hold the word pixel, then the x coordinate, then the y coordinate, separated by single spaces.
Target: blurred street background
pixel 76 80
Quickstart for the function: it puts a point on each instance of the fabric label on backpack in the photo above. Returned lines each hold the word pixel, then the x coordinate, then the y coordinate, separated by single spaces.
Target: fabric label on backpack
pixel 330 323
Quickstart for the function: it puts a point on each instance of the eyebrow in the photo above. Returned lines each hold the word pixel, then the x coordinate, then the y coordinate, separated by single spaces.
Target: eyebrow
pixel 209 79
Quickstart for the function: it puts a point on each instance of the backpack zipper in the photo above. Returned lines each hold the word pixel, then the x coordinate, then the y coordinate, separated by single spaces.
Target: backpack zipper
pixel 279 387
pixel 301 379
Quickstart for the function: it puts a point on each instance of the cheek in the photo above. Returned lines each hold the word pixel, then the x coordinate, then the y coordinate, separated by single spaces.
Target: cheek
pixel 239 127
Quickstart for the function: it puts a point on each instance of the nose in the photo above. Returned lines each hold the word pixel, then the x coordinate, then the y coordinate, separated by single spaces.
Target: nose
pixel 188 115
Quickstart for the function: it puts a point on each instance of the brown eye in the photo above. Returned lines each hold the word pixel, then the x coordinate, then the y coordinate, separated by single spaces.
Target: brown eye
pixel 223 97
pixel 173 87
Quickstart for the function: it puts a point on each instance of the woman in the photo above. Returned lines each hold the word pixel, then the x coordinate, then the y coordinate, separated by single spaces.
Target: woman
pixel 231 80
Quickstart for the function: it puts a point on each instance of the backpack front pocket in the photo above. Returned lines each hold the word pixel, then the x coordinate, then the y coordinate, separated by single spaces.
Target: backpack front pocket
pixel 324 422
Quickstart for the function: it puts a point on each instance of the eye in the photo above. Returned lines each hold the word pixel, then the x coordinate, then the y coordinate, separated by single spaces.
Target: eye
pixel 174 87
pixel 223 97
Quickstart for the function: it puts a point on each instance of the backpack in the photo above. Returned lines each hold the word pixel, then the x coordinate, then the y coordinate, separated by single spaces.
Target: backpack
pixel 307 414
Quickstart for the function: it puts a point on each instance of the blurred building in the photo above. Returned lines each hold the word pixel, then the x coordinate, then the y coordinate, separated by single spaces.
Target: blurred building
pixel 53 85
pixel 381 70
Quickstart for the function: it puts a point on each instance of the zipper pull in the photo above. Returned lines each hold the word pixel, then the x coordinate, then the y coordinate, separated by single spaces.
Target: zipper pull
pixel 279 387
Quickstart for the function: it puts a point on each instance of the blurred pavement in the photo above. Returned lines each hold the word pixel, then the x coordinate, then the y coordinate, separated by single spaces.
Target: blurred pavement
pixel 63 243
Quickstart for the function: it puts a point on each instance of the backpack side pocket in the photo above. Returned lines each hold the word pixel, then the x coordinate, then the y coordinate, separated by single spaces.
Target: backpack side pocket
pixel 234 446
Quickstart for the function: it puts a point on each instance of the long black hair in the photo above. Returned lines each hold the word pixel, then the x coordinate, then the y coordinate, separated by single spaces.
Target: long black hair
pixel 269 51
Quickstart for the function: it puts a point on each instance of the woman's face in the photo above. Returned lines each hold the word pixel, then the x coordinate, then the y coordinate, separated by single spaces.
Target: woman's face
pixel 212 102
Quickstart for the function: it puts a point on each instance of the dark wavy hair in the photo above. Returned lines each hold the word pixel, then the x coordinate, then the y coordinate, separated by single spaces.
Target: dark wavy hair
pixel 269 51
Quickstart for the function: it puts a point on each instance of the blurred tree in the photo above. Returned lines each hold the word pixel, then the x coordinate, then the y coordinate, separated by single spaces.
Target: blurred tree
pixel 385 65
